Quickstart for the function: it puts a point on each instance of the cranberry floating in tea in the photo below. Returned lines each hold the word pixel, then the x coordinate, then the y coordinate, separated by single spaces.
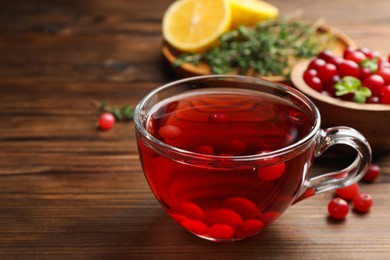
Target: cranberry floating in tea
pixel 227 155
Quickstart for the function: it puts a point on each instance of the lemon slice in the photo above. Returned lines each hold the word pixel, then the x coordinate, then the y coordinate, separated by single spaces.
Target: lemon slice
pixel 250 12
pixel 195 25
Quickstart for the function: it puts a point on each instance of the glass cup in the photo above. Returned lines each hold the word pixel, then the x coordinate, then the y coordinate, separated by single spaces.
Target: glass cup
pixel 227 155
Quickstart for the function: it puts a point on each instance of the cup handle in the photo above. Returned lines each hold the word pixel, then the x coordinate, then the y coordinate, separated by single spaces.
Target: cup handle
pixel 338 179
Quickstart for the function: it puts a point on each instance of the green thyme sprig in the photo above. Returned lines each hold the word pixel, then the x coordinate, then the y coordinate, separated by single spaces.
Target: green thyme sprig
pixel 270 48
pixel 123 113
pixel 354 86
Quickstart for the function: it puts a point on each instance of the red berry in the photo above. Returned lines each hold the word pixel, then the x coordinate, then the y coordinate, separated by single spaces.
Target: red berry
pixel 348 51
pixel 271 173
pixel 349 192
pixel 364 50
pixel 246 208
pixel 269 217
pixel 195 226
pixel 336 60
pixel 106 121
pixel 169 132
pixel 315 83
pixel 329 87
pixel 234 147
pixel 325 55
pixel 326 72
pixel 372 173
pixel 205 149
pixel 373 54
pixel 382 63
pixel 349 68
pixel 316 64
pixel 373 100
pixel 218 118
pixel 356 56
pixel 225 216
pixel 385 95
pixel 309 73
pixel 220 231
pixel 385 74
pixel 374 83
pixel 362 202
pixel 190 210
pixel 250 227
pixel 338 208
pixel 364 73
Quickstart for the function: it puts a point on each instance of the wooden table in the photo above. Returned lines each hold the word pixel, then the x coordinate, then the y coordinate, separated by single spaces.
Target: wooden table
pixel 68 190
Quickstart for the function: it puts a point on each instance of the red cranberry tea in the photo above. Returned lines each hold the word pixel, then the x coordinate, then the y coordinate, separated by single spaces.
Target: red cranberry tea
pixel 221 200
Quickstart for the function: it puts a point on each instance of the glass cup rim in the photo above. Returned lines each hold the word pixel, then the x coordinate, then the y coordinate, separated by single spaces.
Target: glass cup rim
pixel 242 158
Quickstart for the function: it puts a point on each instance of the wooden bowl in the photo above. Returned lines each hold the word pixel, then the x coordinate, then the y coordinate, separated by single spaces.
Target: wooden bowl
pixel 372 120
pixel 340 42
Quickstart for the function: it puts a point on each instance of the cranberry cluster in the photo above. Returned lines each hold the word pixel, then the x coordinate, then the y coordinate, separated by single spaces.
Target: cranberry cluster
pixel 360 75
pixel 338 207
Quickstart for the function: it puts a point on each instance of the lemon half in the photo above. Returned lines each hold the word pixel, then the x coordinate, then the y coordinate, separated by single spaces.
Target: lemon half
pixel 250 12
pixel 196 25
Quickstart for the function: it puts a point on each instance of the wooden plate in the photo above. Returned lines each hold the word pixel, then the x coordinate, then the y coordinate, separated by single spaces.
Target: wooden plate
pixel 341 42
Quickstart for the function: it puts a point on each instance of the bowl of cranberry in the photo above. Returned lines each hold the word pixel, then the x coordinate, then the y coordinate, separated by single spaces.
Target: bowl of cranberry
pixel 352 89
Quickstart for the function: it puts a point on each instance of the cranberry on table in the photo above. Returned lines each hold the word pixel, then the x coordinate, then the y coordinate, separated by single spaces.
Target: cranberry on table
pixel 363 202
pixel 106 121
pixel 338 208
pixel 349 192
pixel 372 173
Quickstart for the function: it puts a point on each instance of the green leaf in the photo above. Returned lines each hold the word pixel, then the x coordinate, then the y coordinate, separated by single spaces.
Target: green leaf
pixel 347 85
pixel 371 64
pixel 359 99
pixel 361 94
pixel 364 91
pixel 351 82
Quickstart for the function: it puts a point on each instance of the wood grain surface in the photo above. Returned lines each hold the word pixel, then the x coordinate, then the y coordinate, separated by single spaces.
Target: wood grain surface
pixel 70 191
